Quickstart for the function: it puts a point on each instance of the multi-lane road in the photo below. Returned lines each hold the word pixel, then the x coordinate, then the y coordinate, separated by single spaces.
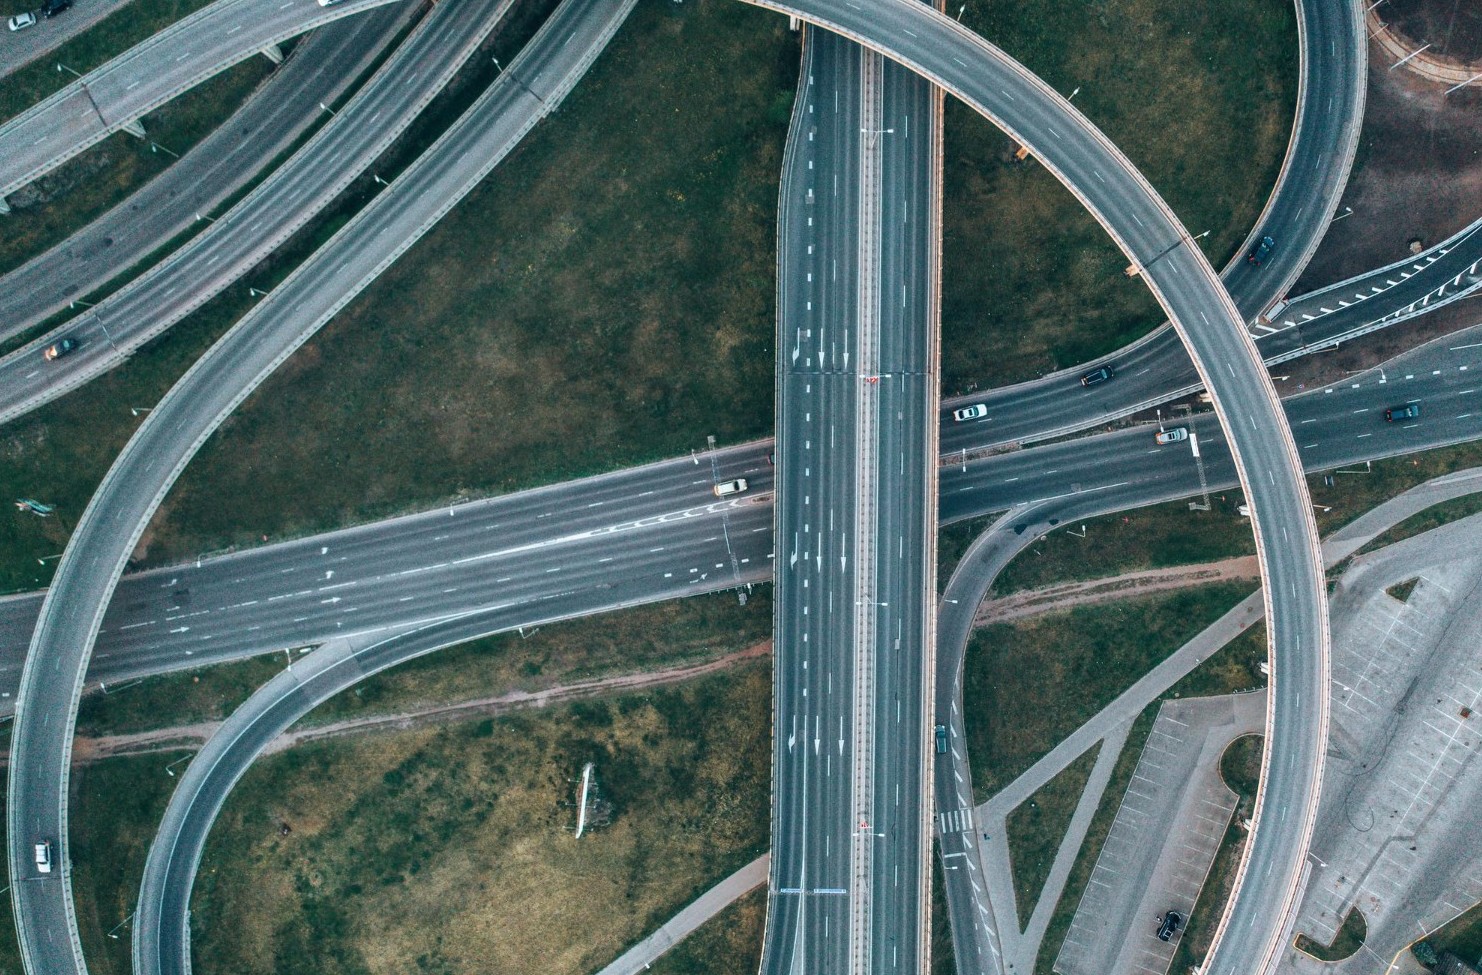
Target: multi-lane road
pixel 282 204
pixel 630 561
pixel 425 567
pixel 114 96
pixel 319 71
pixel 532 85
pixel 1213 330
pixel 856 462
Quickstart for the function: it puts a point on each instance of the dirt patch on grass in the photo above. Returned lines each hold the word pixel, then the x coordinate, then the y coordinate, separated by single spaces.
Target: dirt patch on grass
pixel 449 851
pixel 1418 175
pixel 1451 27
pixel 1052 598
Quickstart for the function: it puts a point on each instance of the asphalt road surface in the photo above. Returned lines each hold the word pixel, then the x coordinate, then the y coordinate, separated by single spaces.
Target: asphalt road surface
pixel 19 48
pixel 543 535
pixel 421 567
pixel 533 84
pixel 145 77
pixel 856 462
pixel 809 921
pixel 1214 332
pixel 1329 113
pixel 283 108
pixel 282 204
pixel 1157 369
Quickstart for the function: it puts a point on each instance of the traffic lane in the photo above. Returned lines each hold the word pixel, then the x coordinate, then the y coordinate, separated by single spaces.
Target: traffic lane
pixel 807 909
pixel 148 75
pixel 282 108
pixel 1337 426
pixel 162 925
pixel 139 478
pixel 1334 62
pixel 283 203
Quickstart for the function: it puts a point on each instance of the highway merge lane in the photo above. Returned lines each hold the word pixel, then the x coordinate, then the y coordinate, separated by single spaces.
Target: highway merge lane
pixel 51 682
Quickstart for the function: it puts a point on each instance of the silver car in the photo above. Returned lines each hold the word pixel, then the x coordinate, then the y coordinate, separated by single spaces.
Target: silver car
pixel 21 21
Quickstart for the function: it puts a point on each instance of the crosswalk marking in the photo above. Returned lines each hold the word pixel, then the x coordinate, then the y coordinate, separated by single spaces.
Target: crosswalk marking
pixel 956 821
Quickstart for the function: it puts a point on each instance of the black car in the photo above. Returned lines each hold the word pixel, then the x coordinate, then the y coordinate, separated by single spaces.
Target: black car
pixel 54 7
pixel 1169 927
pixel 1410 411
pixel 1097 376
pixel 941 739
pixel 1262 249
pixel 58 349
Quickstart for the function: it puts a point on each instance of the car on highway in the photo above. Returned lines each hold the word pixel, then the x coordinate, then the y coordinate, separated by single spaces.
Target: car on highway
pixel 1097 376
pixel 1410 411
pixel 43 856
pixel 1169 925
pixel 21 21
pixel 1172 435
pixel 941 739
pixel 974 412
pixel 1262 249
pixel 58 349
pixel 727 488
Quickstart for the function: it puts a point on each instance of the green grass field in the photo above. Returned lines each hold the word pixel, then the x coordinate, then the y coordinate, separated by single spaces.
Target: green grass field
pixel 1199 96
pixel 1462 937
pixel 1037 826
pixel 449 850
pixel 604 298
pixel 1029 683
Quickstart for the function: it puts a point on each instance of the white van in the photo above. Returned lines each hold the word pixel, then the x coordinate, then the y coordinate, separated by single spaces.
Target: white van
pixel 43 856
pixel 727 488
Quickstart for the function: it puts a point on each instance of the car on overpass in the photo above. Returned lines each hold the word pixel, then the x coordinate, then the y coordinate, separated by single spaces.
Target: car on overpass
pixel 1262 249
pixel 58 349
pixel 43 856
pixel 1410 411
pixel 975 412
pixel 1097 376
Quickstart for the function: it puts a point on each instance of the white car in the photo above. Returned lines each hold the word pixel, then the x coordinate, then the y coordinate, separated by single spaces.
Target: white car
pixel 728 488
pixel 21 21
pixel 1172 435
pixel 43 857
pixel 976 412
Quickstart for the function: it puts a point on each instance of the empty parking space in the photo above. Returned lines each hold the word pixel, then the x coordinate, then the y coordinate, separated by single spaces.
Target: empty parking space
pixel 1162 842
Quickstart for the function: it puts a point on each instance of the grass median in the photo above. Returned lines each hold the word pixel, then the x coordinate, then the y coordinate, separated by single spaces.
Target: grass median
pixel 1199 96
pixel 48 210
pixel 1029 683
pixel 605 298
pixel 728 944
pixel 1037 826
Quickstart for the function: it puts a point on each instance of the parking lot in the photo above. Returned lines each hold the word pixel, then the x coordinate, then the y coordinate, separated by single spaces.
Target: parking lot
pixel 1164 838
pixel 1397 834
